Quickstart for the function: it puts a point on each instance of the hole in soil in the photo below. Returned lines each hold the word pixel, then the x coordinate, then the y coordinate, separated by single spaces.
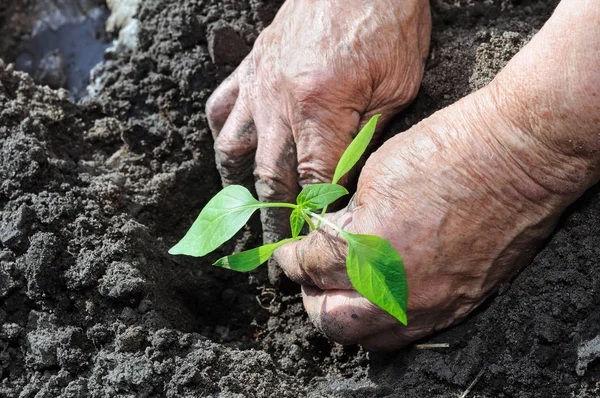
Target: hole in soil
pixel 61 42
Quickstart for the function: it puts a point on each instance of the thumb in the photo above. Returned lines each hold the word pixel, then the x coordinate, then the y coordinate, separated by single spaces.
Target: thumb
pixel 320 258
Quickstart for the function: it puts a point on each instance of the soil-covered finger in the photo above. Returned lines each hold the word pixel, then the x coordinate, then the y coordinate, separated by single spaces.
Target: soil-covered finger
pixel 275 181
pixel 235 147
pixel 221 103
pixel 344 316
pixel 275 178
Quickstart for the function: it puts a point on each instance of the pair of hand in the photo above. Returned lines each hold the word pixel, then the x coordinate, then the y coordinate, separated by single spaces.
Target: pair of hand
pixel 448 194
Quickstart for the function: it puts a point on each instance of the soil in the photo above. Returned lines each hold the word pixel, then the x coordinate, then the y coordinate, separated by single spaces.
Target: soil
pixel 93 193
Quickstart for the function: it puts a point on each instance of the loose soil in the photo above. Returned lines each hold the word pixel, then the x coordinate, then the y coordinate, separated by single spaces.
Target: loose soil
pixel 93 193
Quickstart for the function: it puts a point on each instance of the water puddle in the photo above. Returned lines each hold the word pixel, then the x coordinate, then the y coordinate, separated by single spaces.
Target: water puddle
pixel 68 39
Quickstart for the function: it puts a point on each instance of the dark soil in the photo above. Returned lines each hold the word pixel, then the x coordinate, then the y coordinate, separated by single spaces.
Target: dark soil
pixel 92 195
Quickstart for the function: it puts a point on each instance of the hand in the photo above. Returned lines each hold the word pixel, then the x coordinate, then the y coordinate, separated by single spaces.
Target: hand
pixel 467 195
pixel 464 203
pixel 313 78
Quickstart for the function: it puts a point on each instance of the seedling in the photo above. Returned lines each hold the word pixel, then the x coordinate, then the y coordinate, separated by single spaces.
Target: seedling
pixel 374 267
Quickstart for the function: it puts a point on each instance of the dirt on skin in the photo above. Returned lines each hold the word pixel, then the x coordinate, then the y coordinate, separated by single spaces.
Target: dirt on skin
pixel 93 194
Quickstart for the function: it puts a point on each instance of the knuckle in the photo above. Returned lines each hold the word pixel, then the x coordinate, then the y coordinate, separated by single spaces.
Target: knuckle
pixel 411 90
pixel 322 258
pixel 319 150
pixel 217 109
pixel 313 172
pixel 309 94
pixel 396 93
pixel 233 163
pixel 306 265
pixel 211 107
pixel 296 272
pixel 307 91
pixel 271 183
pixel 229 152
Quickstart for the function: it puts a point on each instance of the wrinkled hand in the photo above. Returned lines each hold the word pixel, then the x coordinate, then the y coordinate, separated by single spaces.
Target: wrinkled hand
pixel 317 74
pixel 468 195
pixel 449 196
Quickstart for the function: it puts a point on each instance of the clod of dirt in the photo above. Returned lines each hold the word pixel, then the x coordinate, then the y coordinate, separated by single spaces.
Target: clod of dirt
pixel 16 225
pixel 122 12
pixel 586 354
pixel 225 46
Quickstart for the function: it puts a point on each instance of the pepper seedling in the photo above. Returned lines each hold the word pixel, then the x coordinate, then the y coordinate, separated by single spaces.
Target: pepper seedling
pixel 375 268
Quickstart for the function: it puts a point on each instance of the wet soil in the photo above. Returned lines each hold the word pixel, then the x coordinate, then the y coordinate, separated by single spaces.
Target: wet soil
pixel 93 193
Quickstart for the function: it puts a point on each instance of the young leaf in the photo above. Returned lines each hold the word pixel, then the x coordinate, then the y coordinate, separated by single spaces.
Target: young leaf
pixel 296 221
pixel 250 259
pixel 317 196
pixel 377 272
pixel 355 150
pixel 225 214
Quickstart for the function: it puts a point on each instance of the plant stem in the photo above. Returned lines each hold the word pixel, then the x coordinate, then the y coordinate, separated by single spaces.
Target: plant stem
pixel 277 204
pixel 310 223
pixel 322 215
pixel 326 222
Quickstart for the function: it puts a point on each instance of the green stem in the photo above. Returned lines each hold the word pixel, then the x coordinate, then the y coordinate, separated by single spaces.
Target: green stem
pixel 326 222
pixel 310 223
pixel 322 215
pixel 277 204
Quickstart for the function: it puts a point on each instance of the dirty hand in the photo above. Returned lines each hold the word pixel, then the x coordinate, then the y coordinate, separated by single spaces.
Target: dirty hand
pixel 465 197
pixel 431 193
pixel 318 73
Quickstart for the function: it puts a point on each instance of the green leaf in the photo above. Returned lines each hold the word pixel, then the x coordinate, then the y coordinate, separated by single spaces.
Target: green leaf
pixel 317 196
pixel 355 150
pixel 250 259
pixel 296 221
pixel 377 272
pixel 224 215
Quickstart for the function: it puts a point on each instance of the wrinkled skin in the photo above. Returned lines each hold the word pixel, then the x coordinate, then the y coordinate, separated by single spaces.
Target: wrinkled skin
pixel 314 76
pixel 440 209
pixel 468 195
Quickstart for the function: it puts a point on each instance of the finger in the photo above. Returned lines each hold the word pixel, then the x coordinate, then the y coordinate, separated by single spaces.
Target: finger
pixel 320 258
pixel 344 316
pixel 222 101
pixel 235 146
pixel 275 171
pixel 275 181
